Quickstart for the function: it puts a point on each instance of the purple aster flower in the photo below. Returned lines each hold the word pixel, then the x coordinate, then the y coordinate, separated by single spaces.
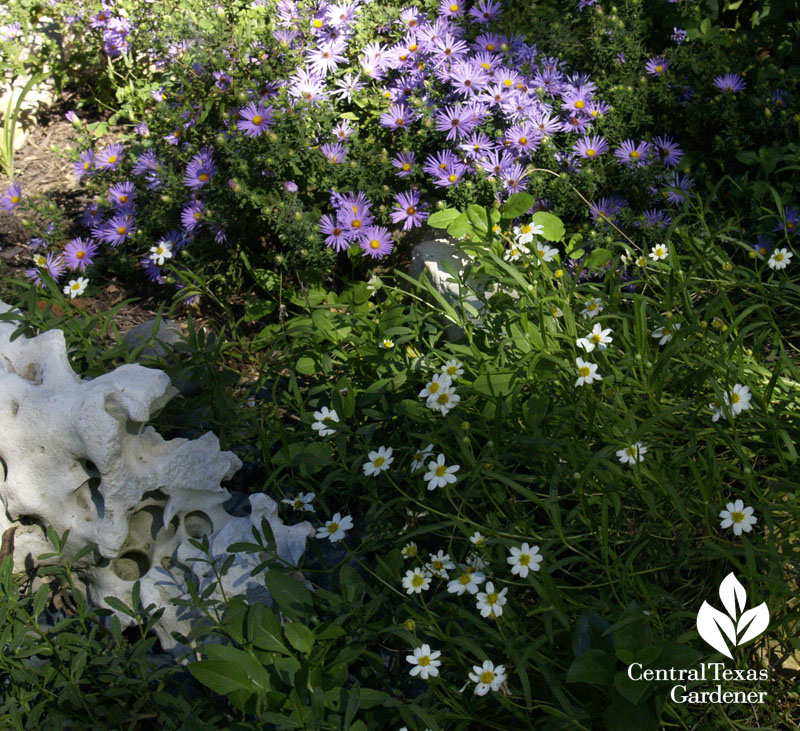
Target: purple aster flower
pixel 376 241
pixel 91 216
pixel 451 176
pixel 730 83
pixel 514 178
pixel 200 170
pixel 307 87
pixel 476 145
pixel 152 270
pixel 485 10
pixel 575 101
pixel 78 254
pixel 110 156
pixel 222 79
pixel 496 163
pixel 408 210
pixel 72 118
pixel 84 164
pixel 326 57
pixel 440 161
pixel 290 186
pixel 348 85
pixel 678 35
pixel 11 198
pixel 792 217
pixel 404 162
pixel 763 245
pixel 605 209
pixel 585 4
pixel 398 116
pixel 589 147
pixel 522 137
pixel 117 230
pixel 679 190
pixel 456 121
pixel 467 78
pixel 334 152
pixel 671 154
pixel 54 265
pixel 633 155
pixel 121 195
pixel 451 8
pixel 335 235
pixel 656 66
pixel 192 215
pixel 576 123
pixel 256 119
pixel 448 48
pixel 655 218
pixel 342 131
pixel 598 109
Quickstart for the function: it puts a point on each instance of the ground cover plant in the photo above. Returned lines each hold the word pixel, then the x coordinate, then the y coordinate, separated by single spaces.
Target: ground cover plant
pixel 510 515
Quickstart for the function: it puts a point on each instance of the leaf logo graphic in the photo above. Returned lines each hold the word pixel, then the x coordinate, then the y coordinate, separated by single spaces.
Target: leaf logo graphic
pixel 737 626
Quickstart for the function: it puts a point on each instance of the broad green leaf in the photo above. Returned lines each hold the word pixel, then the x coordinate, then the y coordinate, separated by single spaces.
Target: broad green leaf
pixel 222 677
pixel 264 630
pixel 517 205
pixel 598 258
pixel 289 594
pixel 442 219
pixel 300 637
pixel 553 227
pixel 594 666
pixel 460 226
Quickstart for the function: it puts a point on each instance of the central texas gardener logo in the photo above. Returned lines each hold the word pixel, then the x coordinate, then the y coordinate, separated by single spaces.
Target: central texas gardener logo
pixel 726 631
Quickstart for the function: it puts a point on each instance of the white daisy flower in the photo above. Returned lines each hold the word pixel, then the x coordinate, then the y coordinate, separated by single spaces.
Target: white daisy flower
pixel 592 308
pixel 488 677
pixel 779 259
pixel 524 559
pixel 738 399
pixel 335 528
pixel 515 251
pixel 386 343
pixel 379 461
pixel 587 372
pixel 598 338
pixel 425 663
pixel 416 581
pixel 76 287
pixel 418 458
pixel 664 334
pixel 453 368
pixel 659 252
pixel 301 502
pixel 320 426
pixel 410 550
pixel 439 474
pixel 467 581
pixel 545 252
pixel 161 252
pixel 440 564
pixel 445 401
pixel 524 234
pixel 633 454
pixel 435 386
pixel 738 517
pixel 490 602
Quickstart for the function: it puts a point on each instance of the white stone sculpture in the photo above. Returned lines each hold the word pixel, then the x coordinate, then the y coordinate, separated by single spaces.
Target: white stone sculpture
pixel 77 454
pixel 430 256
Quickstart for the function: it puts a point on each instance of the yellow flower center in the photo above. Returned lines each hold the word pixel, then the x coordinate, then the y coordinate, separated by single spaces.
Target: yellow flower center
pixel 486 65
pixel 333 527
pixel 737 517
pixel 433 387
pixel 80 254
pixel 202 177
pixel 438 565
pixel 590 152
pixel 584 371
pixel 508 82
pixel 123 199
pixel 595 338
pixel 399 121
pixel 112 159
pixel 487 676
pixel 630 451
pixel 464 579
pixel 258 119
pixel 413 47
pixel 523 140
pixel 197 215
pixel 121 230
pixel 790 225
pixel 411 211
pixel 317 23
pixel 491 599
pixel 406 167
pixel 591 307
pixel 441 471
pixel 634 154
pixel 76 286
pixel 424 661
pixel 355 223
pixel 417 581
pixel 490 47
pixel 735 398
pixel 86 166
pixel 580 104
pixel 375 244
pixel 443 398
pixel 524 559
pixel 379 460
pixel 778 257
pixel 15 199
pixel 659 69
pixel 453 7
pixel 452 177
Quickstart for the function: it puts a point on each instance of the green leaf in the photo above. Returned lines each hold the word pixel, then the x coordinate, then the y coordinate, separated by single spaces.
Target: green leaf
pixel 442 219
pixel 598 258
pixel 306 366
pixel 256 673
pixel 595 666
pixel 497 384
pixel 632 690
pixel 517 205
pixel 264 630
pixel 477 215
pixel 460 226
pixel 289 594
pixel 40 599
pixel 553 227
pixel 221 677
pixel 300 637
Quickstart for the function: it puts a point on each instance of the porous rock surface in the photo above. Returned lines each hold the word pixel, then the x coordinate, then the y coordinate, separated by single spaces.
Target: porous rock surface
pixel 77 454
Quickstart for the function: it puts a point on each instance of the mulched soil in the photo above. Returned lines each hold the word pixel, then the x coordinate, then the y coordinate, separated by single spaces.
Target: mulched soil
pixel 43 167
